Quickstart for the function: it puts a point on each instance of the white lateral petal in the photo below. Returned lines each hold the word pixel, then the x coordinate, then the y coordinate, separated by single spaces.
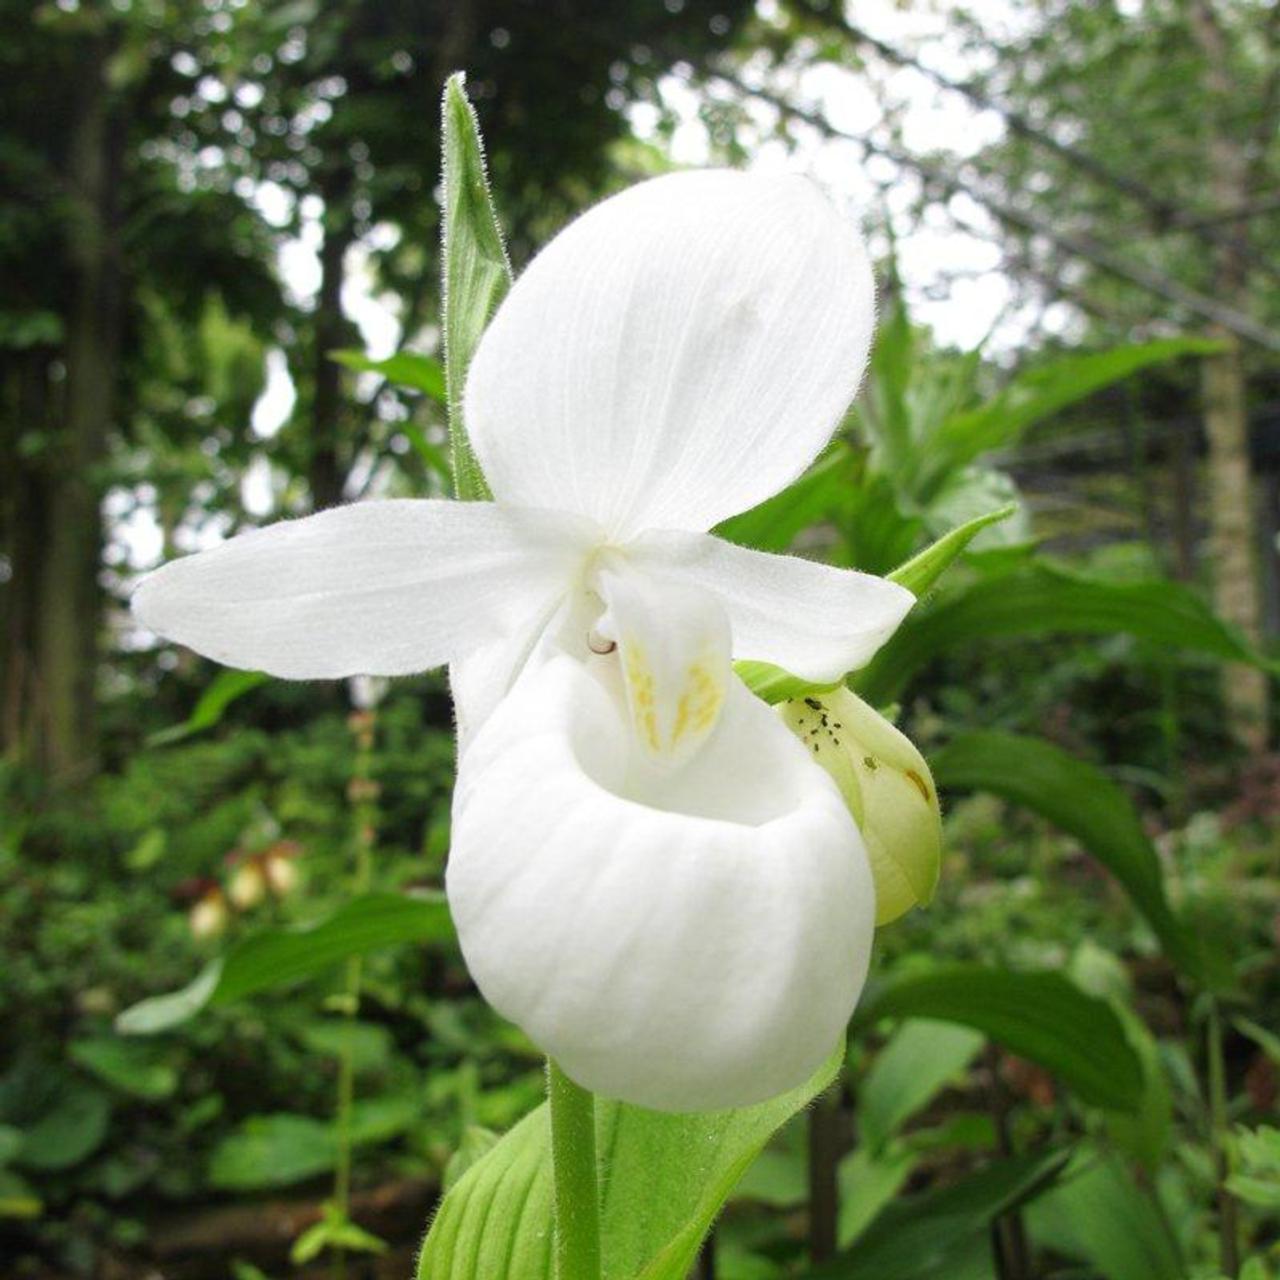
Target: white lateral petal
pixel 815 620
pixel 378 588
pixel 684 941
pixel 676 355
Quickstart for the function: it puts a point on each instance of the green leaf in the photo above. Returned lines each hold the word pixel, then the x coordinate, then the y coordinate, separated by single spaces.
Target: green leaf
pixel 1081 800
pixel 334 1231
pixel 1259 1192
pixel 920 1236
pixel 1040 1016
pixel 369 1043
pixel 1266 1040
pixel 1097 1214
pixel 921 1057
pixel 774 523
pixel 127 1065
pixel 70 1131
pixel 223 690
pixel 773 684
pixel 148 851
pixel 476 272
pixel 923 570
pixel 433 457
pixel 869 1180
pixel 17 1198
pixel 404 369
pixel 1042 391
pixel 664 1179
pixel 779 1179
pixel 281 1149
pixel 279 957
pixel 272 1151
pixel 476 1142
pixel 10 1143
pixel 1050 601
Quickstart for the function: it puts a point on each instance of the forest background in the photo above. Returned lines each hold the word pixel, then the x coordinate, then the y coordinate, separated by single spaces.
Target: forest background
pixel 219 229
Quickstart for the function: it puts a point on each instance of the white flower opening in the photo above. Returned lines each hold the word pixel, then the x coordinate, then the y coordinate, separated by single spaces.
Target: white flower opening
pixel 648 873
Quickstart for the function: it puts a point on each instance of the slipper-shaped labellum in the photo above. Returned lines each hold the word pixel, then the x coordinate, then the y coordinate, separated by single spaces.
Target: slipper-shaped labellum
pixel 649 872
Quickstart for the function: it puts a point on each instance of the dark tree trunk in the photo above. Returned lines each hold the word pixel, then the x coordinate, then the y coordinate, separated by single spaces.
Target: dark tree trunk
pixel 54 624
pixel 329 457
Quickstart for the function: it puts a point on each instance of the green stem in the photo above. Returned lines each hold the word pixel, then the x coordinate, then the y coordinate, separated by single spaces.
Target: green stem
pixel 346 1095
pixel 1228 1217
pixel 577 1196
pixel 365 814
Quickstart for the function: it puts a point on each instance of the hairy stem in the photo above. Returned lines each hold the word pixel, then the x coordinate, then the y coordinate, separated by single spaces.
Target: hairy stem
pixel 577 1197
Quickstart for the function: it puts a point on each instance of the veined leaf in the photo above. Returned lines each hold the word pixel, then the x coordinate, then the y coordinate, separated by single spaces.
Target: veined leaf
pixel 663 1180
pixel 476 272
pixel 404 369
pixel 128 1065
pixel 279 957
pixel 923 570
pixel 774 524
pixel 1098 1214
pixel 1049 601
pixel 432 456
pixel 924 1236
pixel 70 1130
pixel 282 1148
pixel 1081 800
pixel 220 693
pixel 1040 1016
pixel 918 1060
pixel 1046 389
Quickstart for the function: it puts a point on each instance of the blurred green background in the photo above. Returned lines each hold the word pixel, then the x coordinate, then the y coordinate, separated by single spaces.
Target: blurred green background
pixel 1074 206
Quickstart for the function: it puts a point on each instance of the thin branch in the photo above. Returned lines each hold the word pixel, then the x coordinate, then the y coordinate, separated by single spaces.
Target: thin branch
pixel 1163 213
pixel 1079 244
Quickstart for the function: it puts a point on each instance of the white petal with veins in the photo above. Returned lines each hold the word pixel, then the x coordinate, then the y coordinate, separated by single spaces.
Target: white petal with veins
pixel 377 588
pixel 676 355
pixel 814 620
pixel 688 940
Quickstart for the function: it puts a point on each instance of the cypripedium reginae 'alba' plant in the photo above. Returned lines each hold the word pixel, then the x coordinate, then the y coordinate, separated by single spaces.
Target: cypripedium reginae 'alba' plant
pixel 649 873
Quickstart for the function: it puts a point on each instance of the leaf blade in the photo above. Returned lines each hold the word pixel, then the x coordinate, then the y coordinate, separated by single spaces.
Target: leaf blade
pixel 664 1177
pixel 280 957
pixel 1040 1016
pixel 1081 800
pixel 477 273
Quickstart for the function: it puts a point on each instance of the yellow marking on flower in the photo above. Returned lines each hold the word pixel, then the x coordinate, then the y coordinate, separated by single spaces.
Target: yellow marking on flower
pixel 641 683
pixel 696 702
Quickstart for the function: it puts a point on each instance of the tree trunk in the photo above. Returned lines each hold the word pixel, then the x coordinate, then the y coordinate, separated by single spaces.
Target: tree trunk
pixel 327 467
pixel 1237 595
pixel 23 537
pixel 52 644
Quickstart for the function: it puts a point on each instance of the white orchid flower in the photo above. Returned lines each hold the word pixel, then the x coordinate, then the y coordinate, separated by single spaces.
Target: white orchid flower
pixel 649 874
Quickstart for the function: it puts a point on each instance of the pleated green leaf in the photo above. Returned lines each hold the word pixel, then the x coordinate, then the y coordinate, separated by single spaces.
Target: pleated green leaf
pixel 663 1180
